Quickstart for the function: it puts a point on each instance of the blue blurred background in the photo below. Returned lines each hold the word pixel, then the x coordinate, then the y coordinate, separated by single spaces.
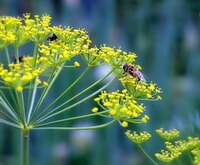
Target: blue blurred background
pixel 165 34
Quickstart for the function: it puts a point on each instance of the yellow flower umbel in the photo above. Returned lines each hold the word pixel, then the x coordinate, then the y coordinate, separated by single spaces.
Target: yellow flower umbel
pixel 122 107
pixel 138 139
pixel 175 150
pixel 116 58
pixel 77 42
pixel 19 74
pixel 166 156
pixel 168 135
pixel 19 31
pixel 8 28
pixel 196 153
pixel 36 29
pixel 91 55
pixel 69 44
pixel 140 89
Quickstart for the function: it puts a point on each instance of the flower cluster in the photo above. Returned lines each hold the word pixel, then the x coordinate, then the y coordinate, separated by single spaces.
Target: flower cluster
pixel 138 139
pixel 8 30
pixel 72 36
pixel 18 31
pixel 36 29
pixel 166 156
pixel 140 89
pixel 196 153
pixel 122 107
pixel 57 53
pixel 20 74
pixel 175 150
pixel 168 135
pixel 116 57
pixel 91 55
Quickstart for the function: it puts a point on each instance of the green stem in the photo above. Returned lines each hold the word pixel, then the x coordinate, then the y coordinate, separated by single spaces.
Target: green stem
pixel 71 118
pixel 75 128
pixel 31 83
pixel 45 91
pixel 179 161
pixel 35 51
pixel 9 123
pixel 32 102
pixel 85 90
pixel 7 55
pixel 190 157
pixel 9 117
pixel 14 101
pixel 17 54
pixel 20 99
pixel 70 87
pixel 12 113
pixel 49 115
pixel 25 147
pixel 153 162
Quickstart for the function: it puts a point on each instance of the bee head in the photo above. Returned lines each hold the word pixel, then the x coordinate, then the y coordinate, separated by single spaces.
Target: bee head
pixel 125 66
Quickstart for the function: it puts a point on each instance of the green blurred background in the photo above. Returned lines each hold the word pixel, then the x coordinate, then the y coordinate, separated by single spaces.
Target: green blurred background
pixel 165 34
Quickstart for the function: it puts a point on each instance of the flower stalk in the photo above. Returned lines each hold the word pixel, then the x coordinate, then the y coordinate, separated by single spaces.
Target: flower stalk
pixel 147 155
pixel 25 147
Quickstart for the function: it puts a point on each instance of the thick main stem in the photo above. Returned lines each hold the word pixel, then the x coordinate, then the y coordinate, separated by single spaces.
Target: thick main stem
pixel 25 147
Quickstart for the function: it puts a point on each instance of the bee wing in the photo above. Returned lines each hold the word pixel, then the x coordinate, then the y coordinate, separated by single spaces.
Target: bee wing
pixel 141 76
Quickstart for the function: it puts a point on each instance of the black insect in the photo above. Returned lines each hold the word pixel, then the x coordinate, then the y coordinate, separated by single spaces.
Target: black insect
pixel 52 38
pixel 21 59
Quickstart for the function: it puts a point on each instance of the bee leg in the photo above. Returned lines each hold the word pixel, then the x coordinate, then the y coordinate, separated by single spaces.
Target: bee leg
pixel 139 79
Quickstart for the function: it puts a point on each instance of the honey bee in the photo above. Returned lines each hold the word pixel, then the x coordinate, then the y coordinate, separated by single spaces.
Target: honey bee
pixel 134 72
pixel 52 38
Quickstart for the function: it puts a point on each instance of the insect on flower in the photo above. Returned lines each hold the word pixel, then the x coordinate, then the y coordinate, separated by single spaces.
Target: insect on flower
pixel 52 38
pixel 21 59
pixel 134 72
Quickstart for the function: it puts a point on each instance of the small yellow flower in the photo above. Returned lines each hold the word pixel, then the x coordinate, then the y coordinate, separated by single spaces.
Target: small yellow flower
pixel 108 104
pixel 112 111
pixel 145 119
pixel 38 81
pixel 7 79
pixel 96 99
pixel 45 84
pixel 95 109
pixel 149 96
pixel 76 64
pixel 19 88
pixel 124 124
